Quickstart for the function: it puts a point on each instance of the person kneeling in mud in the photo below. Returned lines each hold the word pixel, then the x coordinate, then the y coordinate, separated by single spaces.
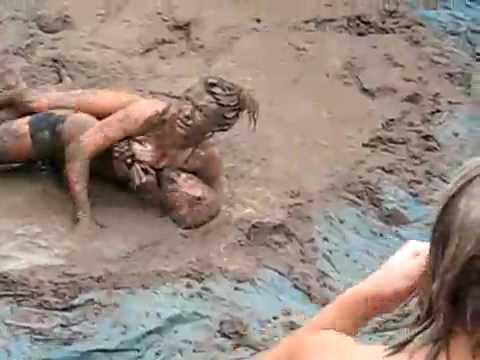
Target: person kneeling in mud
pixel 445 279
pixel 162 148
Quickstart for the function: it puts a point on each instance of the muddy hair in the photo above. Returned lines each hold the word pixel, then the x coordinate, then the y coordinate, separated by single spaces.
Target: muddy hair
pixel 218 105
pixel 448 296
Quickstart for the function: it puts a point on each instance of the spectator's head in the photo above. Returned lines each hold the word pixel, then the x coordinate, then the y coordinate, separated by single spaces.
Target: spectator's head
pixel 449 291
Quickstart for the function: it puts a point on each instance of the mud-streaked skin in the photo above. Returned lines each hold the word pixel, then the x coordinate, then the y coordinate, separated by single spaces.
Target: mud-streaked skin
pixel 95 120
pixel 189 201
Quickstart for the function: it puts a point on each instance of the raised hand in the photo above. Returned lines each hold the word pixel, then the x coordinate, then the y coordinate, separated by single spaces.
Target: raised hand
pixel 395 281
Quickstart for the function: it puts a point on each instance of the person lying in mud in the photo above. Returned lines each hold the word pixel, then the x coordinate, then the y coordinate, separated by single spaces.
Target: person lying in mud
pixel 162 148
pixel 444 279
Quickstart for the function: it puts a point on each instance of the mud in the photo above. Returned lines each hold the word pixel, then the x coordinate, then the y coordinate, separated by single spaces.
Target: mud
pixel 305 64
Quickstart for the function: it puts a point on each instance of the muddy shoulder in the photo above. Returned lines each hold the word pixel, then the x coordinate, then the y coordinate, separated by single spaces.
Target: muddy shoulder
pixel 346 97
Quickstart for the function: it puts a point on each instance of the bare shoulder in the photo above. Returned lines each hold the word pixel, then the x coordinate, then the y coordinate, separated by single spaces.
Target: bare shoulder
pixel 335 345
pixel 326 344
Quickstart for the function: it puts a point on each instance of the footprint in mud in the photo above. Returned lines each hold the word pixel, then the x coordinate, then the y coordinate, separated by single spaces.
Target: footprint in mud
pixel 271 234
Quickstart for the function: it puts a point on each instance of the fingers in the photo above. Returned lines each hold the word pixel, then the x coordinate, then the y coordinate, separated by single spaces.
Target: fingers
pixel 414 255
pixel 411 250
pixel 416 247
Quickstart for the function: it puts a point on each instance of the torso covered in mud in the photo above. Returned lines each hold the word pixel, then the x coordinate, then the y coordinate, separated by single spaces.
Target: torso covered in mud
pixel 162 177
pixel 138 159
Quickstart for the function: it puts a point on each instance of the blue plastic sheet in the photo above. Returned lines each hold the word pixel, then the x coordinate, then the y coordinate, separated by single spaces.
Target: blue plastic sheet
pixel 174 321
pixel 180 320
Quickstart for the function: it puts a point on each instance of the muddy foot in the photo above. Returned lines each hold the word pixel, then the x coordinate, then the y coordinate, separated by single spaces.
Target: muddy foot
pixel 11 85
pixel 86 228
pixel 11 79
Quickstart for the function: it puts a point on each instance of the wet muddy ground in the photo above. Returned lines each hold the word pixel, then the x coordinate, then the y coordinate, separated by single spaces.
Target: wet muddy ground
pixel 347 96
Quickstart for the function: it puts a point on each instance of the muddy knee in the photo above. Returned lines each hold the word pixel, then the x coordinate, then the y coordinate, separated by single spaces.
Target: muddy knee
pixel 15 141
pixel 8 114
pixel 189 202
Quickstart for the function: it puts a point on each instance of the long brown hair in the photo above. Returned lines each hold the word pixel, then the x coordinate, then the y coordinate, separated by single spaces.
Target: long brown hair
pixel 449 290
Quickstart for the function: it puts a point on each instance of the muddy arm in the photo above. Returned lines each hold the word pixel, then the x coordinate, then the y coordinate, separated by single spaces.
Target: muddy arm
pixel 333 325
pixel 207 164
pixel 98 103
pixel 192 196
pixel 134 120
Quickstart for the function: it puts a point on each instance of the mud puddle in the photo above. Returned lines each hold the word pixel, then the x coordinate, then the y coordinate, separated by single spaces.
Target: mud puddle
pixel 348 97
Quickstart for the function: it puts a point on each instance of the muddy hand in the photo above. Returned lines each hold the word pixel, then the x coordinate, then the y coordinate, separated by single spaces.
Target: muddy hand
pixel 86 227
pixel 89 221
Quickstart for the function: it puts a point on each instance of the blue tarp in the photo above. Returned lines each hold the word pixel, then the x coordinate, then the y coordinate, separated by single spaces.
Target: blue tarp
pixel 174 321
pixel 180 320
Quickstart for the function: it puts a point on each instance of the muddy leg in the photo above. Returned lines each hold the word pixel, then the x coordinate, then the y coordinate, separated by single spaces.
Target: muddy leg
pixel 15 147
pixel 44 136
pixel 17 100
pixel 98 103
pixel 9 113
pixel 192 195
pixel 15 141
pixel 11 86
pixel 206 163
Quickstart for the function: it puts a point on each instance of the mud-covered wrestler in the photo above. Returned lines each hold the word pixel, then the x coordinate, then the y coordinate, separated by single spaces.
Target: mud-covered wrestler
pixel 162 149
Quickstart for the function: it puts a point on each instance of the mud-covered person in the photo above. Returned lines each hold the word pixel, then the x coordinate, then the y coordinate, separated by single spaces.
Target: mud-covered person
pixel 444 278
pixel 163 149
